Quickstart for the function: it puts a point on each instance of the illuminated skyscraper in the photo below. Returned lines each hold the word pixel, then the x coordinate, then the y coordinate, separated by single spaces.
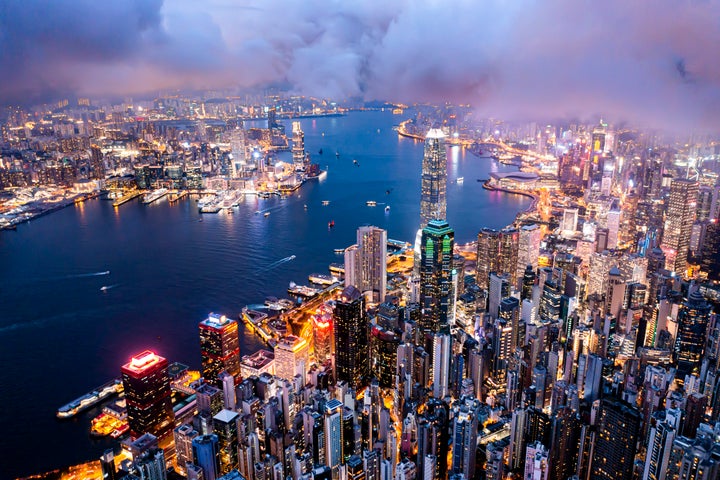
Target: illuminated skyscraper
pixel 368 268
pixel 692 319
pixel 433 203
pixel 614 452
pixel 298 148
pixel 219 348
pixel 225 426
pixel 679 219
pixel 206 455
pixel 147 393
pixel 322 324
pixel 333 435
pixel 351 345
pixel 498 252
pixel 436 275
pixel 291 357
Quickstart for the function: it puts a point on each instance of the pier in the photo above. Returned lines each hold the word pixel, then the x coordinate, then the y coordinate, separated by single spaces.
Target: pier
pixel 90 399
pixel 127 197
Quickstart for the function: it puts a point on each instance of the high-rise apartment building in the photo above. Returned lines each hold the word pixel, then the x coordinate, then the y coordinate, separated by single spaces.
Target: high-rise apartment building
pixel 618 430
pixel 368 268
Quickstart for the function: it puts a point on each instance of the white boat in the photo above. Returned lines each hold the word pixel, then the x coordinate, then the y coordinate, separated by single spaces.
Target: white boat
pixel 371 203
pixel 460 179
pixel 387 208
pixel 326 202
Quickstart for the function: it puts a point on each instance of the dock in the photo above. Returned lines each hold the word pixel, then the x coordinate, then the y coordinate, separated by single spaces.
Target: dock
pixel 90 399
pixel 127 197
pixel 176 197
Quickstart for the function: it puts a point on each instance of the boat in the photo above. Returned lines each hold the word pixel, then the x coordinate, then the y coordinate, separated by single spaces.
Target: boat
pixel 326 202
pixel 460 179
pixel 104 288
pixel 337 268
pixel 305 206
pixel 267 214
pixel 371 203
pixel 302 291
pixel 387 208
pixel 356 163
pixel 339 251
pixel 331 223
pixel 337 154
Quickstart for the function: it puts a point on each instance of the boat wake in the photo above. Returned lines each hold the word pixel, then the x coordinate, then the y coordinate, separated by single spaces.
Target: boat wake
pixel 278 263
pixel 85 275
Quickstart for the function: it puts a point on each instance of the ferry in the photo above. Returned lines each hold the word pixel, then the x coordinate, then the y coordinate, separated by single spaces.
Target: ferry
pixel 326 202
pixel 339 251
pixel 90 399
pixel 155 195
pixel 460 179
pixel 267 214
pixel 371 203
pixel 387 208
pixel 322 279
pixel 302 291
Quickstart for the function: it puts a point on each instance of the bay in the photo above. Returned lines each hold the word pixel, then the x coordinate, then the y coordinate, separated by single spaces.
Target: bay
pixel 61 336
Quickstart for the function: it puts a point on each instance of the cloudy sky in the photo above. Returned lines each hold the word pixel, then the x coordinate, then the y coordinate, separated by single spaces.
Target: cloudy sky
pixel 652 62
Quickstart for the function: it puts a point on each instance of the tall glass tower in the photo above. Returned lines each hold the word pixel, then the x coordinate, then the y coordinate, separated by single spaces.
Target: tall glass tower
pixel 693 318
pixel 433 202
pixel 436 275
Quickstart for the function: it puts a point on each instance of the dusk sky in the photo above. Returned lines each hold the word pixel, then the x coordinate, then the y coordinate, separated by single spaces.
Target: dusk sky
pixel 650 62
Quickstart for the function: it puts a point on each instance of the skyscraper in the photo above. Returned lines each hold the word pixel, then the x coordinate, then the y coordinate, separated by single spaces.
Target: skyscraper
pixel 333 435
pixel 351 345
pixel 298 148
pixel 436 272
pixel 692 319
pixel 618 431
pixel 225 426
pixel 528 249
pixel 498 252
pixel 205 455
pixel 219 348
pixel 433 203
pixel 679 219
pixel 147 393
pixel 368 271
pixel 291 357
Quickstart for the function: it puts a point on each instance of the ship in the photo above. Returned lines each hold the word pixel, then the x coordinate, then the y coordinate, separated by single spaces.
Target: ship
pixel 339 251
pixel 387 208
pixel 155 195
pixel 322 279
pixel 326 202
pixel 90 399
pixel 267 214
pixel 460 179
pixel 331 223
pixel 302 291
pixel 371 203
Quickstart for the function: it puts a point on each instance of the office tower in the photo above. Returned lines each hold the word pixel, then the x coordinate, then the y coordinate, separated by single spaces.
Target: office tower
pixel 206 455
pixel 225 426
pixel 209 399
pixel 508 254
pixel 298 147
pixel 151 465
pixel 663 431
pixel 679 219
pixel 433 203
pixel 498 290
pixel 550 301
pixel 436 271
pixel 499 252
pixel 509 311
pixel 488 246
pixel 528 249
pixel 333 433
pixel 322 337
pixel 228 388
pixel 442 351
pixel 528 282
pixel 711 251
pixel 291 357
pixel 351 346
pixel 147 393
pixel 564 439
pixel 368 270
pixel 692 319
pixel 355 470
pixel 384 344
pixel 695 406
pixel 219 348
pixel 184 435
pixel 465 432
pixel 238 155
pixel 617 436
pixel 107 465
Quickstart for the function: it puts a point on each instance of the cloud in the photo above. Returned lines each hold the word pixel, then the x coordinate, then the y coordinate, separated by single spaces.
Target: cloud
pixel 651 62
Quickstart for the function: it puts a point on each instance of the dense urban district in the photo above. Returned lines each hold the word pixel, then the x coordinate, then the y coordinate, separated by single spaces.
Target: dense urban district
pixel 580 342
